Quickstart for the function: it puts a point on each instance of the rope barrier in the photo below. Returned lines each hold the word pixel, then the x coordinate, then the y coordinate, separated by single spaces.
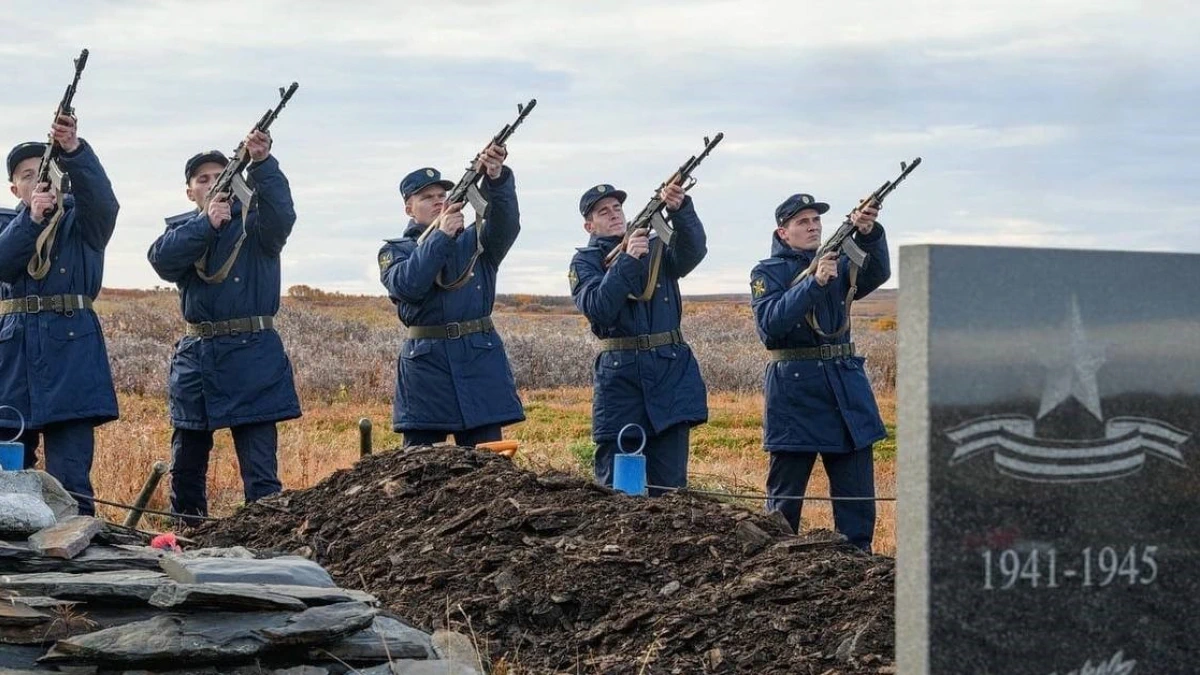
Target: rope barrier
pixel 127 507
pixel 762 497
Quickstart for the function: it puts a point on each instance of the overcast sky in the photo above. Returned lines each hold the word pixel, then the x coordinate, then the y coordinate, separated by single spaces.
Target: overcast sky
pixel 1057 123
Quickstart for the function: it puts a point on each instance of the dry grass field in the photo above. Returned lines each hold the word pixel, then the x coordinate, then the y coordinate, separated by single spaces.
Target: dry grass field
pixel 343 350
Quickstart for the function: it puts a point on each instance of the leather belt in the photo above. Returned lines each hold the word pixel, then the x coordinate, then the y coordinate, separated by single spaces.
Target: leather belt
pixel 33 304
pixel 211 329
pixel 451 331
pixel 823 353
pixel 642 342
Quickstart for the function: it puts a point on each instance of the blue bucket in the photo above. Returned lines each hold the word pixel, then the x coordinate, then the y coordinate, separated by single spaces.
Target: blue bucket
pixel 12 453
pixel 629 468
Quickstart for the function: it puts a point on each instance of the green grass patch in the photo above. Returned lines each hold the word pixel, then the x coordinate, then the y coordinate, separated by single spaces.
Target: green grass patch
pixel 584 452
pixel 886 449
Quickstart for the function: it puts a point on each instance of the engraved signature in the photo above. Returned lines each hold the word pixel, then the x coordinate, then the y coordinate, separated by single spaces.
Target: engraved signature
pixel 1117 665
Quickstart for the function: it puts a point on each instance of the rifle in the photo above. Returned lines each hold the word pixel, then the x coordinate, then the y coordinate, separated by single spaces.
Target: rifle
pixel 233 179
pixel 467 190
pixel 652 217
pixel 842 242
pixel 49 171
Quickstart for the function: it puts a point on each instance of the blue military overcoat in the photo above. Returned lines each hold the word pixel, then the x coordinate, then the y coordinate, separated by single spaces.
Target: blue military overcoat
pixel 810 405
pixel 657 387
pixel 466 382
pixel 231 380
pixel 54 366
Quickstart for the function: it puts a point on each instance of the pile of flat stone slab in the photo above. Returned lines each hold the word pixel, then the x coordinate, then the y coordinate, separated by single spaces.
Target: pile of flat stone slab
pixel 79 596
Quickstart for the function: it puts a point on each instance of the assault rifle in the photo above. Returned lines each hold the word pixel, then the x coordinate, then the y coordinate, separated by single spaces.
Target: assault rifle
pixel 233 179
pixel 467 190
pixel 842 242
pixel 652 217
pixel 49 171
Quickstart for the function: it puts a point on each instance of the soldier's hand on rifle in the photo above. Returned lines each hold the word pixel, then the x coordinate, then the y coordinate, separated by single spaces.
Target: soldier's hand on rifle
pixel 218 211
pixel 492 160
pixel 451 219
pixel 672 196
pixel 827 268
pixel 865 220
pixel 41 203
pixel 258 144
pixel 64 133
pixel 639 243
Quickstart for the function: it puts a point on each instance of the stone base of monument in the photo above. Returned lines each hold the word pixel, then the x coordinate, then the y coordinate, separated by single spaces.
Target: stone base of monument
pixel 79 597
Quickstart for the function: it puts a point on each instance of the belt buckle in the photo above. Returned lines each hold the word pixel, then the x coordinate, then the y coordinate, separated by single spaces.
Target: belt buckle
pixel 453 330
pixel 643 342
pixel 33 304
pixel 207 330
pixel 826 352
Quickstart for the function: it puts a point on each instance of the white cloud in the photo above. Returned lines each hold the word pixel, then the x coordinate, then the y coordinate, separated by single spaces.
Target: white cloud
pixel 1030 115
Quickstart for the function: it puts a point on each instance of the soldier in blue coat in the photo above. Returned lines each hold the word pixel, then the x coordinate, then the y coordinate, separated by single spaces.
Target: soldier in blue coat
pixel 818 399
pixel 53 361
pixel 230 369
pixel 453 375
pixel 645 373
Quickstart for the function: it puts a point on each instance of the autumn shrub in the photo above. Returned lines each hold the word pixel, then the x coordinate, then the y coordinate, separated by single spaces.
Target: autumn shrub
pixel 347 359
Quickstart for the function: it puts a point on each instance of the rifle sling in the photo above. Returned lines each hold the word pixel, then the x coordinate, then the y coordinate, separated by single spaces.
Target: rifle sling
pixel 469 271
pixel 223 271
pixel 812 317
pixel 39 265
pixel 657 247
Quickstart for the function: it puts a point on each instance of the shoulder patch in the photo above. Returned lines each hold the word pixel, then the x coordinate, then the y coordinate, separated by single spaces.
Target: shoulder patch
pixel 385 260
pixel 572 278
pixel 758 286
pixel 772 261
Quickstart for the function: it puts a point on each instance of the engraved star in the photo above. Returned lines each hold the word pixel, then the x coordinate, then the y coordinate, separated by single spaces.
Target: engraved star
pixel 1075 374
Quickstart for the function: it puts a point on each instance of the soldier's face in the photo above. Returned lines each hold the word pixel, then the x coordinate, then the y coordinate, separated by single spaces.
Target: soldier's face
pixel 202 181
pixel 802 232
pixel 24 179
pixel 426 205
pixel 606 218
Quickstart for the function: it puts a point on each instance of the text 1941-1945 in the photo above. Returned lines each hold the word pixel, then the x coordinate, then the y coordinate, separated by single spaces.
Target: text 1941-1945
pixel 1049 568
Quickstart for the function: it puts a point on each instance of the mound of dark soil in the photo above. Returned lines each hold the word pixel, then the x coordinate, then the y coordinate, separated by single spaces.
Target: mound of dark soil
pixel 554 574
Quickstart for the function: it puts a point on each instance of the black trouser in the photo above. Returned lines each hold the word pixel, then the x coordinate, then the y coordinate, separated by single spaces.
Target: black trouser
pixel 256 446
pixel 851 474
pixel 467 438
pixel 70 447
pixel 666 457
